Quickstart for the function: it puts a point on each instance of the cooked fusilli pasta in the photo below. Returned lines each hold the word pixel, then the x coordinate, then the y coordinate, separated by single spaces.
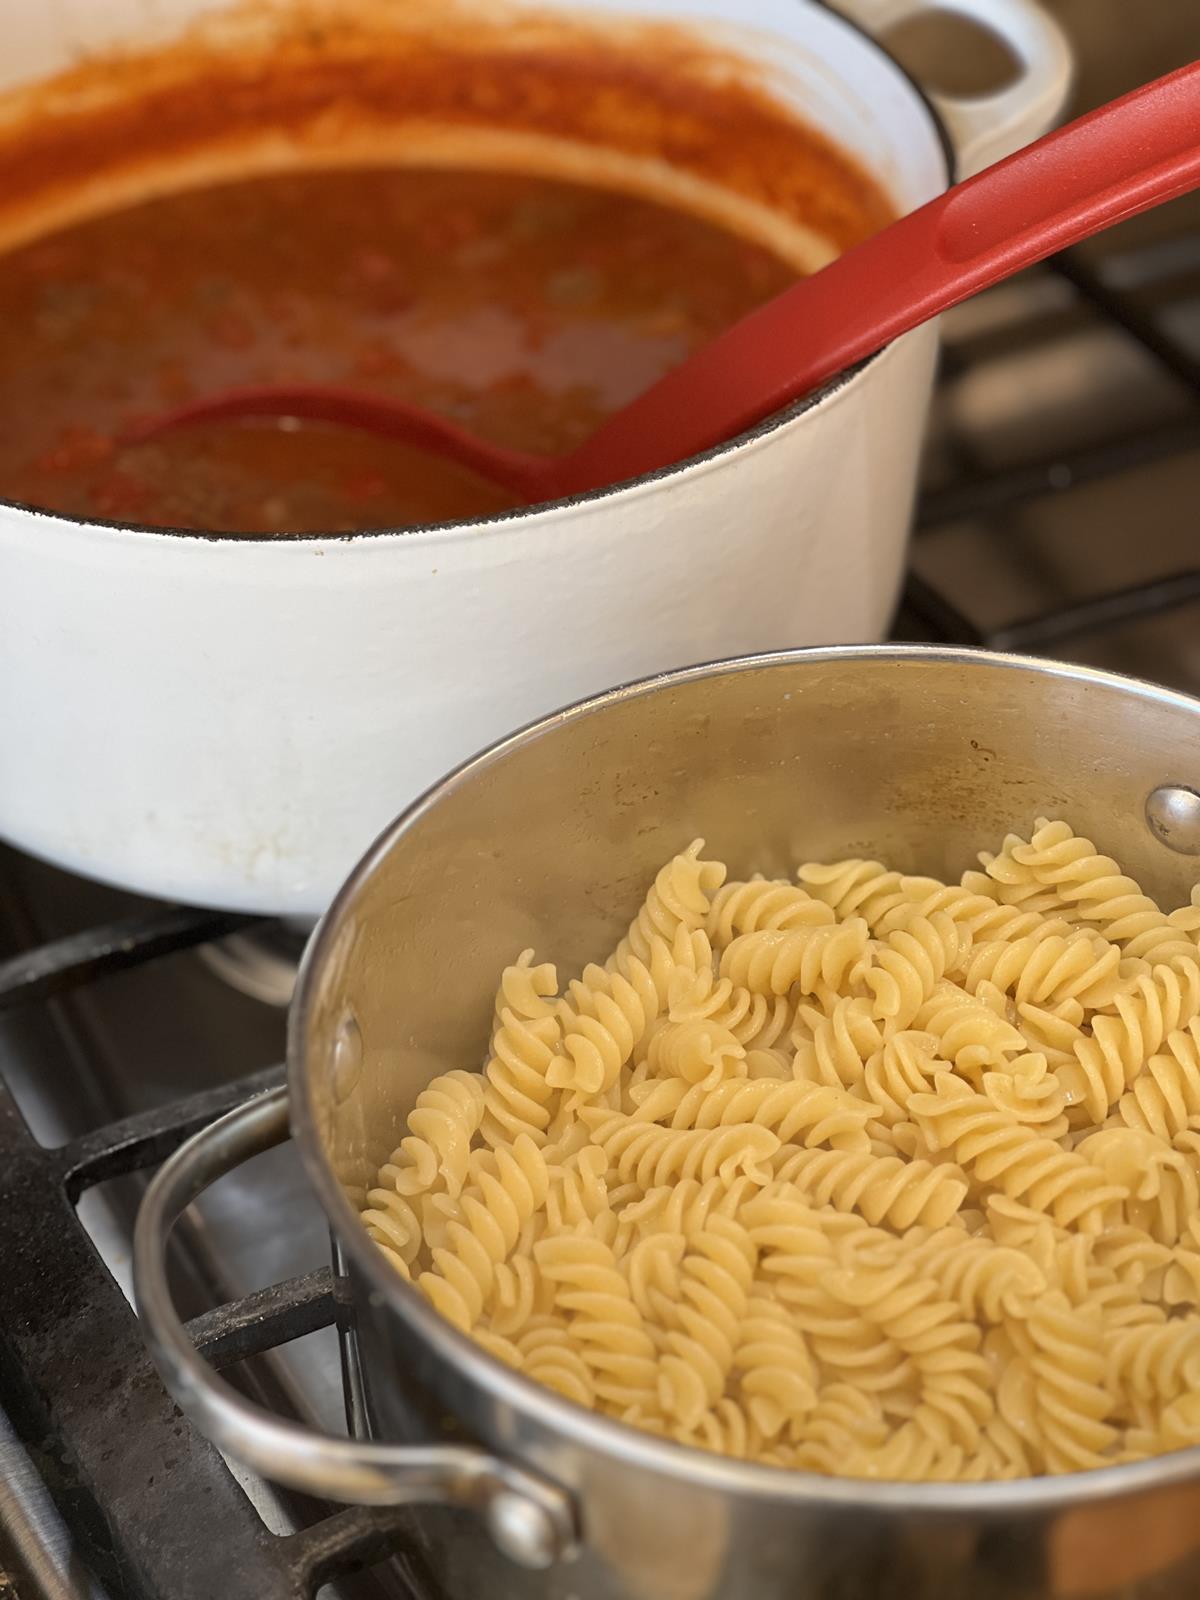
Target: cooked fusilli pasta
pixel 1003 1154
pixel 1165 1095
pixel 1086 887
pixel 526 1035
pixel 770 903
pixel 864 1174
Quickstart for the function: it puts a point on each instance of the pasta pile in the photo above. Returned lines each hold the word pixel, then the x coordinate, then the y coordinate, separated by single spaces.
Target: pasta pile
pixel 864 1174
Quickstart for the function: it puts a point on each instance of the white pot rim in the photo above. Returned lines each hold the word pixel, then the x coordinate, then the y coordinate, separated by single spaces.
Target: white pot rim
pixel 432 532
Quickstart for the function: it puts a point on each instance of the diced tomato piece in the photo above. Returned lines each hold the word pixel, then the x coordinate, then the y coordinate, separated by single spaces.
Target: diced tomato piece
pixel 74 448
pixel 377 361
pixel 361 485
pixel 231 330
pixel 119 495
pixel 372 266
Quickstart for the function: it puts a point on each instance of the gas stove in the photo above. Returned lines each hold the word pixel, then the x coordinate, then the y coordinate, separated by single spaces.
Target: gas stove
pixel 116 1042
pixel 1058 517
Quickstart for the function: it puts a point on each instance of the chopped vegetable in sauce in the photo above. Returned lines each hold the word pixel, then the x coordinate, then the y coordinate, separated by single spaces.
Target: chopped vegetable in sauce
pixel 526 308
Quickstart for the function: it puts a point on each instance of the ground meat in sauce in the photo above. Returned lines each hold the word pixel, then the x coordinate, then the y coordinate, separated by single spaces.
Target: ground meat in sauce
pixel 528 309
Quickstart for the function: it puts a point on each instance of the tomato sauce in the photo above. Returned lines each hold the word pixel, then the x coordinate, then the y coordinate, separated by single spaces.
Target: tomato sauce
pixel 526 308
pixel 252 205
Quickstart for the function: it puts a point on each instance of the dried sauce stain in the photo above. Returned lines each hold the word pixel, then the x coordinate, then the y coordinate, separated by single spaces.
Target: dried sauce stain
pixel 319 76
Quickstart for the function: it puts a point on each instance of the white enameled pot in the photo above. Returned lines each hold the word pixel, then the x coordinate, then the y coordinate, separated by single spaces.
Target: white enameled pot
pixel 229 721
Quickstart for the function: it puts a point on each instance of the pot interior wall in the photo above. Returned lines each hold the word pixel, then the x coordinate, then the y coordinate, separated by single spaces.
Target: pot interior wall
pixel 658 97
pixel 917 758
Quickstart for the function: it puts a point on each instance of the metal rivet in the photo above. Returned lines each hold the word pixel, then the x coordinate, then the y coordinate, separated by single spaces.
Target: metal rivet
pixel 347 1058
pixel 1173 816
pixel 522 1530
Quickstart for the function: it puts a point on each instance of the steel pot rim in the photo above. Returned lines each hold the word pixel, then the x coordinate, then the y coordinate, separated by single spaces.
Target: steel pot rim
pixel 592 1430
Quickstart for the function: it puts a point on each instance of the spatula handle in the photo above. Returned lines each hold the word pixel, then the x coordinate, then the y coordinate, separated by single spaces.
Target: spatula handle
pixel 1121 159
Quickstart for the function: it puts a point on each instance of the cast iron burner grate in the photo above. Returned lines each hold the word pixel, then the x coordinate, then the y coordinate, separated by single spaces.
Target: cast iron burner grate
pixel 151 1506
pixel 1142 313
pixel 152 1509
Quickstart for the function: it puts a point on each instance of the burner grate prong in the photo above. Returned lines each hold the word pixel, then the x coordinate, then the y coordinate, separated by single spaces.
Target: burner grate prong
pixel 80 958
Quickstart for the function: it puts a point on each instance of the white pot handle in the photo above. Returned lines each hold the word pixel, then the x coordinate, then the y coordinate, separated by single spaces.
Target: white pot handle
pixel 985 128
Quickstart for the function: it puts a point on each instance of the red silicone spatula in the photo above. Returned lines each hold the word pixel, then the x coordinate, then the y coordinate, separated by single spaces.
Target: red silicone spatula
pixel 1125 157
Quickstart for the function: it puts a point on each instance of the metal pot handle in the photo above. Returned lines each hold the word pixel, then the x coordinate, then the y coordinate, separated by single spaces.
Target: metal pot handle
pixel 987 127
pixel 530 1520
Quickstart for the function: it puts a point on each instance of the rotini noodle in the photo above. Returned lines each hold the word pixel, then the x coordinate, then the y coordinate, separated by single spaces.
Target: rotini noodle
pixel 1161 1185
pixel 1027 1091
pixel 796 1112
pixel 854 888
pixel 1158 1362
pixel 1181 1282
pixel 684 1208
pixel 494 1210
pixel 835 1049
pixel 989 1282
pixel 1092 888
pixel 714 1286
pixel 757 1021
pixel 603 1020
pixel 550 1354
pixel 881 1188
pixel 651 1155
pixel 1107 1061
pixel 1052 1033
pixel 1044 971
pixel 688 955
pixel 1165 1095
pixel 910 1455
pixel 726 1430
pixel 392 1223
pixel 954 1401
pixel 779 1375
pixel 975 904
pixel 904 1066
pixel 796 1256
pixel 701 1053
pixel 905 967
pixel 969 1034
pixel 1134 1258
pixel 679 898
pixel 614 1342
pixel 843 1422
pixel 1071 1393
pixel 525 1036
pixel 865 1174
pixel 652 1267
pixel 1004 1154
pixel 442 1125
pixel 773 963
pixel 762 903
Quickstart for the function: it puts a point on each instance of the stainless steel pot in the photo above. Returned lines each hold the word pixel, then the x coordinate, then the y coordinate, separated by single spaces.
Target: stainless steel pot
pixel 915 755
